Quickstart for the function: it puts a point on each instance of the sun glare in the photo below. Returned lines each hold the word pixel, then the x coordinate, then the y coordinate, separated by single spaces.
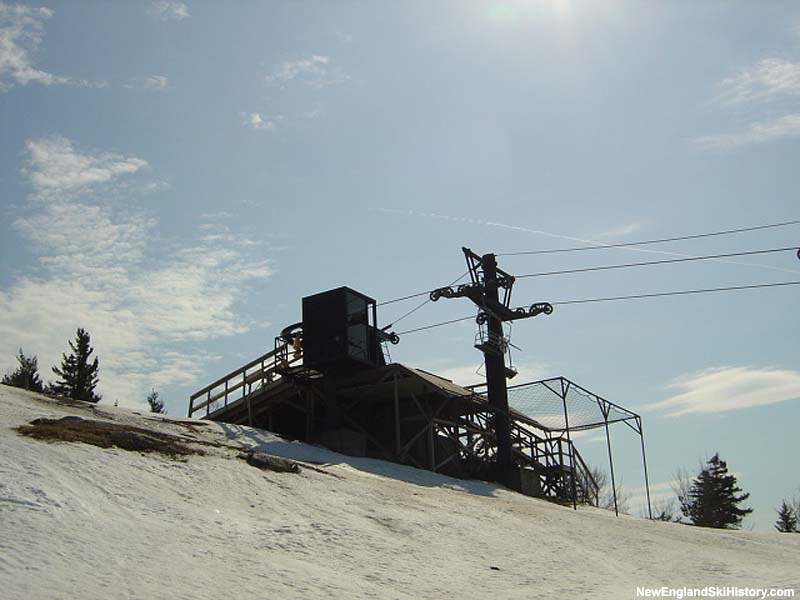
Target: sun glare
pixel 512 10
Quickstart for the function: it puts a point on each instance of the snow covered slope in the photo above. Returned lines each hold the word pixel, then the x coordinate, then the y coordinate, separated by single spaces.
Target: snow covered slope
pixel 78 521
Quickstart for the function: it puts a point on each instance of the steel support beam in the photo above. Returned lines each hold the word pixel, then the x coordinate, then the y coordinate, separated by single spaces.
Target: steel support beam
pixel 496 372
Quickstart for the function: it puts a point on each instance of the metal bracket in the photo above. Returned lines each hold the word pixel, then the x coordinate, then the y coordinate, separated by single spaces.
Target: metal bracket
pixel 388 336
pixel 468 290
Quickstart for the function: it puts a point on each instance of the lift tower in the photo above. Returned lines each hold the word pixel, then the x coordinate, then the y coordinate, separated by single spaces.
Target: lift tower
pixel 484 291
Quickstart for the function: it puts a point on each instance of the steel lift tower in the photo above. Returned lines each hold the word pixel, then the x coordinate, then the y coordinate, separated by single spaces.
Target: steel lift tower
pixel 484 291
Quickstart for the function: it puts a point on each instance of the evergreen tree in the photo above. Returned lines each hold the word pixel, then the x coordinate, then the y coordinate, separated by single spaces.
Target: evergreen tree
pixel 27 374
pixel 77 376
pixel 156 404
pixel 713 498
pixel 787 519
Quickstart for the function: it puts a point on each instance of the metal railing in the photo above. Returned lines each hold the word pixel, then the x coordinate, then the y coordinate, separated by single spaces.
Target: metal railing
pixel 558 457
pixel 588 488
pixel 243 381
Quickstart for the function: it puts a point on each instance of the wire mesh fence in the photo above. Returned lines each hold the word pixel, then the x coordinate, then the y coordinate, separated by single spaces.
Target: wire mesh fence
pixel 557 404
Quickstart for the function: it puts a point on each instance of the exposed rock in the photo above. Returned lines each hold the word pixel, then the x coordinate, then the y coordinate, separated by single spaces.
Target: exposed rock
pixel 269 462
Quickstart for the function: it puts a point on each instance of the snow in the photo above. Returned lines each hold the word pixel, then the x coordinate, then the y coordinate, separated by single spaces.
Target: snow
pixel 78 521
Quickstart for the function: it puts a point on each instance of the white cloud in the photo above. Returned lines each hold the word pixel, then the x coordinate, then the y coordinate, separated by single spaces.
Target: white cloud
pixel 56 169
pixel 316 71
pixel 215 216
pixel 151 82
pixel 473 374
pixel 171 10
pixel 107 271
pixel 263 122
pixel 768 80
pixel 21 30
pixel 730 388
pixel 771 86
pixel 620 231
pixel 156 186
pixel 156 82
pixel 787 126
pixel 255 121
pixel 464 375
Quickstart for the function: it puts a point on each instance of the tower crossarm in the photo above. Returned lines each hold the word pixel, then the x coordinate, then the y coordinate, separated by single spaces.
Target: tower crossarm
pixel 504 314
pixel 473 291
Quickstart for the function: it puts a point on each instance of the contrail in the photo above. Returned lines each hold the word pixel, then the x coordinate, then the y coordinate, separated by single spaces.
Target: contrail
pixel 559 236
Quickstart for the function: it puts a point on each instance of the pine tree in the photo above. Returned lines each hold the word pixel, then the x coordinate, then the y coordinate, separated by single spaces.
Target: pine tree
pixel 27 374
pixel 155 402
pixel 77 376
pixel 713 498
pixel 787 519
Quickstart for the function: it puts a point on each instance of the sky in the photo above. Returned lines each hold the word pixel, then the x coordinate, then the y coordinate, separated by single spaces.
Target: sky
pixel 176 176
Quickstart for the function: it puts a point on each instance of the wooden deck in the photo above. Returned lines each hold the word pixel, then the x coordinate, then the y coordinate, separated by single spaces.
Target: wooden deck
pixel 394 413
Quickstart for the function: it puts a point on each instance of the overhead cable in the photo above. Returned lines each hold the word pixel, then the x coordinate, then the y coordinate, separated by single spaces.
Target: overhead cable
pixel 657 262
pixel 654 241
pixel 403 298
pixel 416 308
pixel 451 321
pixel 678 293
pixel 629 297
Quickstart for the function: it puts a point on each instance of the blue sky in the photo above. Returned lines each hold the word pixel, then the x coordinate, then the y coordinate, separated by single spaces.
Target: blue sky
pixel 176 176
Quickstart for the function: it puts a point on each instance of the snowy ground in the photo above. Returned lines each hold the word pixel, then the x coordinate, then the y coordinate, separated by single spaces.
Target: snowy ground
pixel 77 521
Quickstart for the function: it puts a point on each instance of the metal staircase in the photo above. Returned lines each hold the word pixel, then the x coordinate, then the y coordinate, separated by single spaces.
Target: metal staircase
pixel 562 472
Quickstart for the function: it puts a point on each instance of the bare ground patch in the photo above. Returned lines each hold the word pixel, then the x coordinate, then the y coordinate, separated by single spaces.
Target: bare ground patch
pixel 106 435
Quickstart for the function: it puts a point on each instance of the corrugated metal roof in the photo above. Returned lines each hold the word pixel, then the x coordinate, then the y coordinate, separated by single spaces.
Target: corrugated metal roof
pixel 446 385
